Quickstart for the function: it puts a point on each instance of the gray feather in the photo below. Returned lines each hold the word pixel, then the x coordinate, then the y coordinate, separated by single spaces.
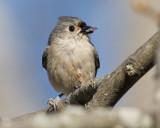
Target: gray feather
pixel 97 62
pixel 44 59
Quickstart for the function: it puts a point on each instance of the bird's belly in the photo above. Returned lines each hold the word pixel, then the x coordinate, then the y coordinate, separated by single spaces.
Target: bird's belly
pixel 72 70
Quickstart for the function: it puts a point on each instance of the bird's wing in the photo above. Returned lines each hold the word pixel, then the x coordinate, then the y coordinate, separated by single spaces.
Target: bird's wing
pixel 97 62
pixel 44 58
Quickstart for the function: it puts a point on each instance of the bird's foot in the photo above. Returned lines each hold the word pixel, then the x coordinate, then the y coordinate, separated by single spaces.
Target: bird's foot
pixel 53 102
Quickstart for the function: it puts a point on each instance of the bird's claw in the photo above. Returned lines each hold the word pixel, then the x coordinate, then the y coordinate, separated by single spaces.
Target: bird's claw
pixel 53 102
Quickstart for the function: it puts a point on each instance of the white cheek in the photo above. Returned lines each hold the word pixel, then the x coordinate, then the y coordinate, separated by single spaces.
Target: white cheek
pixel 80 35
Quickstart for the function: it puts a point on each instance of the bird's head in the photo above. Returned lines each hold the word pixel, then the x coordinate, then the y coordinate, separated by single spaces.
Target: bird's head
pixel 72 27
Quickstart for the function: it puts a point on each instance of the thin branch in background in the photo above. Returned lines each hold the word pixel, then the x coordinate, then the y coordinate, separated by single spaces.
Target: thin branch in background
pixel 146 9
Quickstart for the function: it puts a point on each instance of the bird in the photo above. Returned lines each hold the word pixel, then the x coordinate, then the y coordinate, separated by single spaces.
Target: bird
pixel 70 58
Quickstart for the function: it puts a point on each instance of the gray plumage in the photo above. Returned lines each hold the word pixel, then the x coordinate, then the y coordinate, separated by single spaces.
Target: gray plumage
pixel 70 58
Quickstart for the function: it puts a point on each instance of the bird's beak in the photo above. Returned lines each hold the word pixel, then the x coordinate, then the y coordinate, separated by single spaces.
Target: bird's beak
pixel 87 29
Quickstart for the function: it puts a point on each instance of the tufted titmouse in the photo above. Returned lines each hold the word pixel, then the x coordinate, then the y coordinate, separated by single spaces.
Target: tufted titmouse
pixel 70 58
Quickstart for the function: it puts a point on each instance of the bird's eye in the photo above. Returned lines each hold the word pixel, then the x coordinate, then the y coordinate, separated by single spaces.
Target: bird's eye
pixel 71 28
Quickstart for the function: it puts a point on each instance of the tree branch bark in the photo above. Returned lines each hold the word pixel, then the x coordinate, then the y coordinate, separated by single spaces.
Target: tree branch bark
pixel 127 74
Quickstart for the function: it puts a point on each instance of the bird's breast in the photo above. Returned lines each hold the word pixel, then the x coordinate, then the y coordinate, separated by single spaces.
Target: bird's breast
pixel 70 64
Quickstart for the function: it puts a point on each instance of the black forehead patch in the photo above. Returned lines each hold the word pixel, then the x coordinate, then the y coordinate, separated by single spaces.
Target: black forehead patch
pixel 82 24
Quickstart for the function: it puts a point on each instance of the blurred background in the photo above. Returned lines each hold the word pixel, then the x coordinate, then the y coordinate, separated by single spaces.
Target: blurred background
pixel 25 26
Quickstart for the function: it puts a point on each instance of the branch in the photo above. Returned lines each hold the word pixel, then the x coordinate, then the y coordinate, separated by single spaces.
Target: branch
pixel 78 117
pixel 107 90
pixel 127 74
pixel 111 88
